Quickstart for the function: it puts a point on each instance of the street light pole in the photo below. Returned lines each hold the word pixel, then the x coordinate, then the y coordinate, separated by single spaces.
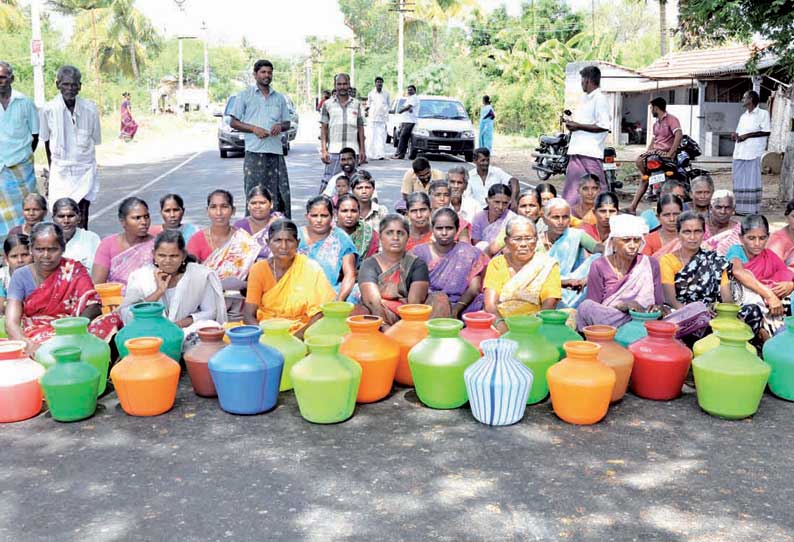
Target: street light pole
pixel 37 53
pixel 401 7
pixel 206 64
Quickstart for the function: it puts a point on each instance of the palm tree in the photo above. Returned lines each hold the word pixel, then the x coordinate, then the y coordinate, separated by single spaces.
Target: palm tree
pixel 662 25
pixel 437 14
pixel 10 16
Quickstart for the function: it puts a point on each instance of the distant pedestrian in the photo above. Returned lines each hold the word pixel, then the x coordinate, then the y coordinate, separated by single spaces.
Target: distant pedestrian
pixel 378 104
pixel 128 125
pixel 589 128
pixel 487 117
pixel 262 113
pixel 326 95
pixel 70 131
pixel 408 115
pixel 341 125
pixel 750 136
pixel 19 136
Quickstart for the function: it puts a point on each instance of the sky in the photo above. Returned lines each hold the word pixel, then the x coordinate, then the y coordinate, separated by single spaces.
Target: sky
pixel 278 27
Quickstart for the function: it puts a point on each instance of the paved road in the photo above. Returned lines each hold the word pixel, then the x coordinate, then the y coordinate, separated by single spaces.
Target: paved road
pixel 397 470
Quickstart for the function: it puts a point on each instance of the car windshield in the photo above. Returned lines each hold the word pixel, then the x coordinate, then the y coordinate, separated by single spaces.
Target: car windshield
pixel 442 109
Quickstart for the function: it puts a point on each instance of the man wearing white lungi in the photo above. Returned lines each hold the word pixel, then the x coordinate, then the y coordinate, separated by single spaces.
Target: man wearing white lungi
pixel 70 130
pixel 750 136
pixel 378 104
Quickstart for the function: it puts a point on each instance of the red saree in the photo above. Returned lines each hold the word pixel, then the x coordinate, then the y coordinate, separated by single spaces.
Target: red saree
pixel 67 292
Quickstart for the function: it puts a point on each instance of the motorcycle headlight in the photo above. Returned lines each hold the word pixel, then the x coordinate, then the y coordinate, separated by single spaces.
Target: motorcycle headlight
pixel 468 134
pixel 421 132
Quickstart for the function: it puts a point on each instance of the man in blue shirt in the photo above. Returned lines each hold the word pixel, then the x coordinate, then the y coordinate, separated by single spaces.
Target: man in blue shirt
pixel 262 114
pixel 19 136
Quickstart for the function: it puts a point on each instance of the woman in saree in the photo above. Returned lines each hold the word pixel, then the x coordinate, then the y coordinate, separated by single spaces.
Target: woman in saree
pixel 694 279
pixel 260 217
pixel 665 239
pixel 570 247
pixel 623 279
pixel 722 232
pixel 441 196
pixel 489 223
pixel 81 245
pixel 16 248
pixel 287 284
pixel 605 207
pixel 455 267
pixel 50 288
pixel 702 190
pixel 420 232
pixel 487 117
pixel 529 207
pixel 589 186
pixel 191 293
pixel 394 277
pixel 521 280
pixel 548 192
pixel 34 209
pixel 120 254
pixel 329 246
pixel 753 255
pixel 128 125
pixel 782 241
pixel 348 218
pixel 172 209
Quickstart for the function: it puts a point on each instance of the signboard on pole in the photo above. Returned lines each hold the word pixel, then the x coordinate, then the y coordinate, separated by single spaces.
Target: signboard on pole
pixel 36 53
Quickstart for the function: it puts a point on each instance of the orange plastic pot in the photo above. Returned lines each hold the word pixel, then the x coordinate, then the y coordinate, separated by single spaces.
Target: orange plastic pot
pixel 580 385
pixel 408 332
pixel 376 353
pixel 110 294
pixel 612 355
pixel 146 379
pixel 479 328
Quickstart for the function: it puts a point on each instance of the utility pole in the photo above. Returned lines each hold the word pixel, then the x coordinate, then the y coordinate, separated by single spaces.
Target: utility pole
pixel 353 49
pixel 180 88
pixel 401 7
pixel 206 63
pixel 37 53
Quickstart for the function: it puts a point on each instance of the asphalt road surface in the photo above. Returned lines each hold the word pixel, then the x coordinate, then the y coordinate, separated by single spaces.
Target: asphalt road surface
pixel 397 470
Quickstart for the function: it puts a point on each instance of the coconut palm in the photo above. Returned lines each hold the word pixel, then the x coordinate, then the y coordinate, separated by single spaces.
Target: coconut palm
pixel 437 14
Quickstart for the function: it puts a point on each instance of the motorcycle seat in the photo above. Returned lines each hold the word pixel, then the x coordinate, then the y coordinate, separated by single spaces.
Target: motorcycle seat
pixel 552 140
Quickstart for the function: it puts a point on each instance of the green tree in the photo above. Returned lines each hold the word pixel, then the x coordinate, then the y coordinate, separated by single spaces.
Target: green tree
pixel 11 17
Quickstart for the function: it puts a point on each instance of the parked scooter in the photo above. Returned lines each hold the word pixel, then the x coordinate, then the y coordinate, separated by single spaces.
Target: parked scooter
pixel 680 168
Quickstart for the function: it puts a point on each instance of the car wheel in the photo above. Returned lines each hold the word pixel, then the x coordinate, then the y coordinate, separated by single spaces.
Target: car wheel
pixel 224 154
pixel 388 138
pixel 469 156
pixel 411 151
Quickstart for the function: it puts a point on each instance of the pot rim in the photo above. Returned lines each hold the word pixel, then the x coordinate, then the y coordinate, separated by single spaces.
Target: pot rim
pixel 415 311
pixel 9 348
pixel 337 307
pixel 139 344
pixel 479 317
pixel 600 332
pixel 581 348
pixel 364 322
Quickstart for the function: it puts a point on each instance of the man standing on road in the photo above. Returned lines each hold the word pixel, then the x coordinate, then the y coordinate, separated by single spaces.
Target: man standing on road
pixel 589 129
pixel 408 113
pixel 70 131
pixel 667 135
pixel 378 104
pixel 341 125
pixel 484 176
pixel 262 113
pixel 19 136
pixel 750 136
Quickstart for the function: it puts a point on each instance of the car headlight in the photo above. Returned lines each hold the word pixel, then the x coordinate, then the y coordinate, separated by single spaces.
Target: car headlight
pixel 421 132
pixel 468 134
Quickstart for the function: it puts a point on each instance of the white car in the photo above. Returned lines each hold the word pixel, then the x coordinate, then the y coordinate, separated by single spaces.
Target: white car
pixel 442 127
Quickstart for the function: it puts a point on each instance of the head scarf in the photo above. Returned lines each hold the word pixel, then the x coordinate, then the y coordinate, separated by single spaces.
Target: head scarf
pixel 623 226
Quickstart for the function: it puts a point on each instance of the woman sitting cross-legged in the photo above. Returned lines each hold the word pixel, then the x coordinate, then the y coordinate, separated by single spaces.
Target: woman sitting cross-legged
pixel 81 245
pixel 191 292
pixel 665 239
pixel 455 267
pixel 441 196
pixel 120 254
pixel 394 276
pixel 529 206
pixel 260 216
pixel 172 210
pixel 570 247
pixel 287 285
pixel 418 206
pixel 489 223
pixel 50 288
pixel 348 218
pixel 695 279
pixel 16 248
pixel 623 279
pixel 767 267
pixel 606 206
pixel 521 280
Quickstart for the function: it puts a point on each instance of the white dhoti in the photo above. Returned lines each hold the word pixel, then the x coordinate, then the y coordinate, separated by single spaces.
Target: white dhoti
pixel 376 142
pixel 76 180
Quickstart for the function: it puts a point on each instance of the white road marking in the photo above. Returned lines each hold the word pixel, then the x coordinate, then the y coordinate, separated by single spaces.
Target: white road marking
pixel 114 206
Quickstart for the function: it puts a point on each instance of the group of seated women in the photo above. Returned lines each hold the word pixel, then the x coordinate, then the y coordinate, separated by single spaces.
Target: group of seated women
pixel 518 255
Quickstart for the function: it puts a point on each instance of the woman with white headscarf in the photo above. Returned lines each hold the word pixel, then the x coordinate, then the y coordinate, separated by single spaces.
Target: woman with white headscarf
pixel 623 279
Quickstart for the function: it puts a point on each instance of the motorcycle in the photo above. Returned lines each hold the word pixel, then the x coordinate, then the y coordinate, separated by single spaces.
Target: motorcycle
pixel 551 157
pixel 661 168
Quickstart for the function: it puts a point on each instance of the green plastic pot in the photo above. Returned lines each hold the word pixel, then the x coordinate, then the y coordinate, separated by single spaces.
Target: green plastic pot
pixel 70 385
pixel 276 334
pixel 333 322
pixel 556 331
pixel 534 350
pixel 634 330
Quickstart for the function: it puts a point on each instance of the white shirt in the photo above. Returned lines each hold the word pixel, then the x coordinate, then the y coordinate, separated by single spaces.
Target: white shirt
pixel 593 109
pixel 478 191
pixel 378 103
pixel 81 131
pixel 754 147
pixel 469 207
pixel 409 117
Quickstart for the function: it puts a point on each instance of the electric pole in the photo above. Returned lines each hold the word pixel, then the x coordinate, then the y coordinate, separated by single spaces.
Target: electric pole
pixel 353 49
pixel 37 53
pixel 206 63
pixel 401 7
